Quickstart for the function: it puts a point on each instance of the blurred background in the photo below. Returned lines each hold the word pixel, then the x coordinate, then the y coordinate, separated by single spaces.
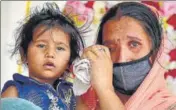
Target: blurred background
pixel 90 14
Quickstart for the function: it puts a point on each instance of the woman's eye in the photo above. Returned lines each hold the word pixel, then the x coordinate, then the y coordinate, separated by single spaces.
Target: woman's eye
pixel 112 49
pixel 60 48
pixel 134 44
pixel 41 45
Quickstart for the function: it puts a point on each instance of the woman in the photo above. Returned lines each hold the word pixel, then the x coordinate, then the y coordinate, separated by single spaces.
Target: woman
pixel 126 68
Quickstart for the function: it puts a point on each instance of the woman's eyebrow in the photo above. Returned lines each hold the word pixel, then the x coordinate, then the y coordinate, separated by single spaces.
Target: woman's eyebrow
pixel 107 42
pixel 113 41
pixel 134 38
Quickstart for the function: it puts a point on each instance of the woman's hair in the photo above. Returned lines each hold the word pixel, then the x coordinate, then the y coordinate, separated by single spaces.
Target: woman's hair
pixel 50 17
pixel 140 12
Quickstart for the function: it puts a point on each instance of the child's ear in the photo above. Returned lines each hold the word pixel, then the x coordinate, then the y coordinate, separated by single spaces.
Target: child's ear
pixel 70 68
pixel 23 56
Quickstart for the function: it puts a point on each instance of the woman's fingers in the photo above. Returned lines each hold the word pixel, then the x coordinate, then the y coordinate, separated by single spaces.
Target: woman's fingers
pixel 96 51
pixel 100 66
pixel 89 54
pixel 107 52
pixel 85 52
pixel 102 51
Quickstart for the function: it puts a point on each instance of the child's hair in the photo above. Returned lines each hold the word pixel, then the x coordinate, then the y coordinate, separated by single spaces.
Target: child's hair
pixel 50 17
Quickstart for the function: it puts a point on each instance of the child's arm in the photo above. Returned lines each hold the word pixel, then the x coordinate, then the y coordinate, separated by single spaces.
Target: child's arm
pixel 11 91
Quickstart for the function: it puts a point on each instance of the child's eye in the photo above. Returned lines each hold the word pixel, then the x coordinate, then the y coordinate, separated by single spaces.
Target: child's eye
pixel 41 45
pixel 60 48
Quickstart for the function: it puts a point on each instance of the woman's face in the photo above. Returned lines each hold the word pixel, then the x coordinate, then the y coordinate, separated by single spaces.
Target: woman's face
pixel 126 39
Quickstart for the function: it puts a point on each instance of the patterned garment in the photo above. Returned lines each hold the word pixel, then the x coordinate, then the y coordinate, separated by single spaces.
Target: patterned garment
pixel 43 94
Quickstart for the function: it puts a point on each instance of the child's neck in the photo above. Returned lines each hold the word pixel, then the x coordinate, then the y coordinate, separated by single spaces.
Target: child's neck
pixel 43 80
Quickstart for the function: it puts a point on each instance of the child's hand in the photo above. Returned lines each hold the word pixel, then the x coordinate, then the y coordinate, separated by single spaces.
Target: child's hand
pixel 101 69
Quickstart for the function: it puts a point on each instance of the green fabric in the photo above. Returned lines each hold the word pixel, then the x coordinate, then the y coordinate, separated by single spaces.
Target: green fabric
pixel 17 104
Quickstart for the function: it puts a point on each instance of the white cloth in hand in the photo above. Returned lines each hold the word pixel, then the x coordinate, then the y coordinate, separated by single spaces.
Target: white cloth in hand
pixel 82 77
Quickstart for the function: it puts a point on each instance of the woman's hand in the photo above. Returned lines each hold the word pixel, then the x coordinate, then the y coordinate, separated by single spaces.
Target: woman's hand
pixel 101 77
pixel 101 67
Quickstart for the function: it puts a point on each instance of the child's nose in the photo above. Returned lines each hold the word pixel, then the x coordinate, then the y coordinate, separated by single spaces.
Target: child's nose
pixel 50 53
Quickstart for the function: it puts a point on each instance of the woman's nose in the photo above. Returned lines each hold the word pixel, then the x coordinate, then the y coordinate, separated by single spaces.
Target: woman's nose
pixel 123 55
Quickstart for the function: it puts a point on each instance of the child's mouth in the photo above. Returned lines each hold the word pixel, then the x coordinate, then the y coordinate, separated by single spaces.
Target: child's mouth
pixel 49 65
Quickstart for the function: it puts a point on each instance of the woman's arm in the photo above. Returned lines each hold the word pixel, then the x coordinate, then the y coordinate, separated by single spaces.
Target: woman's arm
pixel 108 100
pixel 10 92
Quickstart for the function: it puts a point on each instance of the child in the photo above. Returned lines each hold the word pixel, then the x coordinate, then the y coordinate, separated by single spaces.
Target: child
pixel 48 43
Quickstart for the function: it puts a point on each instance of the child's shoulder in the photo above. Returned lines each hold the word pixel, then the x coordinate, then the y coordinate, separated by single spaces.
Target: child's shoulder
pixel 12 87
pixel 11 91
pixel 13 83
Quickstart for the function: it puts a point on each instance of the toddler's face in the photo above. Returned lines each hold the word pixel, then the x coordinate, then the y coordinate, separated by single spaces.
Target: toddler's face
pixel 48 54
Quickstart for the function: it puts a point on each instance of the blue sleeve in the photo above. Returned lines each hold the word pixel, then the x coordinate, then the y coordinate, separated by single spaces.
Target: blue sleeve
pixel 11 83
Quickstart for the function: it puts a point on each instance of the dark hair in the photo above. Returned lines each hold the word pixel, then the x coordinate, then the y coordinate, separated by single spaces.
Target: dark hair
pixel 140 12
pixel 49 16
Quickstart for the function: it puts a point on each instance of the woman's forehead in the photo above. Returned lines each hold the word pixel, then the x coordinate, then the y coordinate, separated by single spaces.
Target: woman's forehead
pixel 123 27
pixel 125 23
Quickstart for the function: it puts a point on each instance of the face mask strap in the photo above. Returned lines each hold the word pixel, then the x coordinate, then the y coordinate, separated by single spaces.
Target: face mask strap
pixel 135 61
pixel 125 86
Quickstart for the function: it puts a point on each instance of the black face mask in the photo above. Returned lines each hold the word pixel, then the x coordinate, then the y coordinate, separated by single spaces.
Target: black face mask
pixel 128 76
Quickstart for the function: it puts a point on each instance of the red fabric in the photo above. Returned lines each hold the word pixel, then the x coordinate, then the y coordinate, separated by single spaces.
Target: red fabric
pixel 90 98
pixel 172 55
pixel 89 4
pixel 172 21
pixel 170 73
pixel 152 3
